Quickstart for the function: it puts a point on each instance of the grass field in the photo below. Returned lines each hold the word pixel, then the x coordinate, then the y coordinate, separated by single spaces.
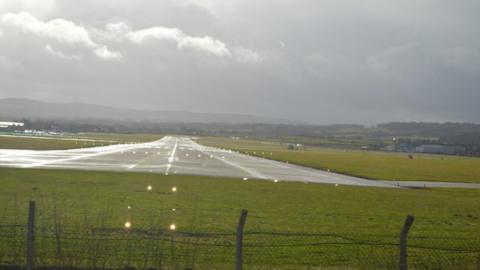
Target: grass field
pixel 121 138
pixel 336 216
pixel 72 141
pixel 365 164
pixel 339 141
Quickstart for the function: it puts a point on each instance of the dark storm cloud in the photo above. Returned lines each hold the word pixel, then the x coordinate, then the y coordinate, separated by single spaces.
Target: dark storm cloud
pixel 318 61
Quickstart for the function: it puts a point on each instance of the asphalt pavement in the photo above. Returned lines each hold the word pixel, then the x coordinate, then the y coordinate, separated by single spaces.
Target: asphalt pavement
pixel 181 155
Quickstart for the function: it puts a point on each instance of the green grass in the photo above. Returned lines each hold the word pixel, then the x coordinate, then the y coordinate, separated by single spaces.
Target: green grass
pixel 40 143
pixel 72 141
pixel 338 141
pixel 365 164
pixel 121 137
pixel 79 201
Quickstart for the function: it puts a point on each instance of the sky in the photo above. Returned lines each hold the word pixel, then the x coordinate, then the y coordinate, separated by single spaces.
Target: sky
pixel 318 61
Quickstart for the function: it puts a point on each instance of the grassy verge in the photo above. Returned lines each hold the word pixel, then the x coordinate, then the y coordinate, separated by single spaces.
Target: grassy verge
pixel 365 164
pixel 72 141
pixel 121 138
pixel 330 226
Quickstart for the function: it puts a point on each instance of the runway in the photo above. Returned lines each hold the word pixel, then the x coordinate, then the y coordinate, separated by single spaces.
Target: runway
pixel 181 155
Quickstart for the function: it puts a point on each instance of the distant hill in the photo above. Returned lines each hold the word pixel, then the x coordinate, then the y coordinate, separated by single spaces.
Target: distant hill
pixel 16 108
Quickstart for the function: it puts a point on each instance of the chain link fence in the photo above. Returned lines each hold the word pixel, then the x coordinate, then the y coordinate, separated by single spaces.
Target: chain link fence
pixel 65 245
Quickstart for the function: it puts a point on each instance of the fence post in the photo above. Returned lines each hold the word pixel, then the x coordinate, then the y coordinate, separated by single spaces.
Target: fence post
pixel 403 242
pixel 239 250
pixel 30 235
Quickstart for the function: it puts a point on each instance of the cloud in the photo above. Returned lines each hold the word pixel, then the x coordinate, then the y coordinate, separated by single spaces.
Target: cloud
pixel 155 33
pixel 367 61
pixel 461 58
pixel 118 28
pixel 4 62
pixel 317 59
pixel 38 8
pixel 106 54
pixel 247 56
pixel 60 54
pixel 205 4
pixel 8 66
pixel 60 30
pixel 206 44
pixel 70 33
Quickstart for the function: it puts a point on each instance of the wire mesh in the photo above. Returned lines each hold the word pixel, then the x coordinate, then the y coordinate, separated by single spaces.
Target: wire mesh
pixel 100 240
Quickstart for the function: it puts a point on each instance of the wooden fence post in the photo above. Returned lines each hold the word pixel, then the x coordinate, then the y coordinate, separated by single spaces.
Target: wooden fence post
pixel 403 242
pixel 30 235
pixel 239 251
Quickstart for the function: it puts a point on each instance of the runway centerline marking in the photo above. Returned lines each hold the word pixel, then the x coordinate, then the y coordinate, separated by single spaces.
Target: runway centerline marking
pixel 232 164
pixel 171 158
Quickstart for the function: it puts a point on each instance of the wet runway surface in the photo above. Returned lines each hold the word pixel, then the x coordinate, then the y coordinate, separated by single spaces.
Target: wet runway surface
pixel 181 155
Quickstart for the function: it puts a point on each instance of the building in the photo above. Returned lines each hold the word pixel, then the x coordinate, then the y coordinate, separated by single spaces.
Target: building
pixel 295 146
pixel 10 124
pixel 441 149
pixel 400 147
